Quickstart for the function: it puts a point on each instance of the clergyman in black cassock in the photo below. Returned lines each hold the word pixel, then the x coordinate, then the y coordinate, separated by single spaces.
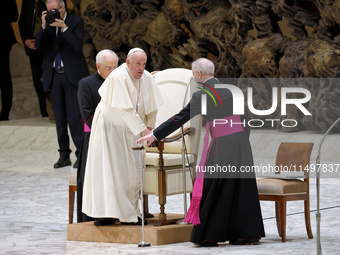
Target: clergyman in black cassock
pixel 88 98
pixel 229 208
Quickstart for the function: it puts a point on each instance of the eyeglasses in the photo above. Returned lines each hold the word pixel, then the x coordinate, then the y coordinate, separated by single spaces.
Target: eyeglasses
pixel 109 68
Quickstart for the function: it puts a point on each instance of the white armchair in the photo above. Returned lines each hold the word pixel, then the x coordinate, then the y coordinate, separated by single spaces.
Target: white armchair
pixel 163 175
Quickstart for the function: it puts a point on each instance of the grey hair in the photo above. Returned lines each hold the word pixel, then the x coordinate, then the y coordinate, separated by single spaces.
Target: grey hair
pixel 101 54
pixel 204 65
pixel 60 2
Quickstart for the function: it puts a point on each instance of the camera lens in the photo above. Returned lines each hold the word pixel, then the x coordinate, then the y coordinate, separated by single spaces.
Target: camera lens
pixel 52 15
pixel 49 18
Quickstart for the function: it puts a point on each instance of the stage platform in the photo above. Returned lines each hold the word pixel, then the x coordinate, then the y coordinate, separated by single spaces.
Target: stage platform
pixel 155 235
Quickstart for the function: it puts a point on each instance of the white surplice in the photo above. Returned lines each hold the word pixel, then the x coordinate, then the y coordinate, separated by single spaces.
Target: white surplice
pixel 112 176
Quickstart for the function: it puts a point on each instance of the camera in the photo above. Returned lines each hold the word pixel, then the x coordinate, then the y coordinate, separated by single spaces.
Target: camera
pixel 52 15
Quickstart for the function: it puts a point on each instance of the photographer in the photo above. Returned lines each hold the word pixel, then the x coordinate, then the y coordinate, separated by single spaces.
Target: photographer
pixel 60 38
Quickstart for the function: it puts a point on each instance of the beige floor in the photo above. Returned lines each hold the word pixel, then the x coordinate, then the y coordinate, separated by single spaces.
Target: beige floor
pixel 34 200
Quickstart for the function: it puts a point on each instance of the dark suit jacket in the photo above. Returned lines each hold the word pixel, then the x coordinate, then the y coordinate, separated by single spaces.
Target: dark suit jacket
pixel 27 20
pixel 70 51
pixel 193 108
pixel 9 14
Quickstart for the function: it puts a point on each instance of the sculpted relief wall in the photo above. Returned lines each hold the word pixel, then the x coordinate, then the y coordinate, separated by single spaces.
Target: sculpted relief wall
pixel 245 38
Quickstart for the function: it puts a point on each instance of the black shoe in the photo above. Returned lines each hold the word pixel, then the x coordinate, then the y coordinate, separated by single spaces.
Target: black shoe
pixel 241 241
pixel 135 223
pixel 76 164
pixel 208 244
pixel 62 162
pixel 104 221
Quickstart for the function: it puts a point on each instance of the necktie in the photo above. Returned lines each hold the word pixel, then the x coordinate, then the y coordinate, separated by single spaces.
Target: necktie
pixel 57 59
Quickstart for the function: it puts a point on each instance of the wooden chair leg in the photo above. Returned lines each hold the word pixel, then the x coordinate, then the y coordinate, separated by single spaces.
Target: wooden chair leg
pixel 307 219
pixel 162 194
pixel 71 196
pixel 146 204
pixel 147 214
pixel 278 217
pixel 162 200
pixel 70 204
pixel 283 208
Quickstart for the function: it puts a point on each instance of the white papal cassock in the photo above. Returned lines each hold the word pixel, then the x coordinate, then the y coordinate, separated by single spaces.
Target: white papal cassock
pixel 127 107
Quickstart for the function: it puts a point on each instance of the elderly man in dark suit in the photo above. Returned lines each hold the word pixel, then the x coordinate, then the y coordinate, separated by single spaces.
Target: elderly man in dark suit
pixel 61 40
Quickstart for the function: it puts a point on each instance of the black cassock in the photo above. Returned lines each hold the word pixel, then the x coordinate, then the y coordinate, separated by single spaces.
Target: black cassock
pixel 230 207
pixel 88 98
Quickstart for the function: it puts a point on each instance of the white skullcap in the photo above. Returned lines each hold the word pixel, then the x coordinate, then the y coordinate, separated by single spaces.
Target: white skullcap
pixel 134 50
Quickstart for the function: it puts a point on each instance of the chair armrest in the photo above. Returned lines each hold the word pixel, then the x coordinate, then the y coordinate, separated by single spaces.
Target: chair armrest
pixel 175 137
pixel 160 144
pixel 178 135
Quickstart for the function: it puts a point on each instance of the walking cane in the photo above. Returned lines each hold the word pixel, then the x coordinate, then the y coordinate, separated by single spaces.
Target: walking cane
pixel 141 166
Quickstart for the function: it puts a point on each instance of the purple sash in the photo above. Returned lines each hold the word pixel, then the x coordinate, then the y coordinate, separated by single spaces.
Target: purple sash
pixel 216 131
pixel 87 128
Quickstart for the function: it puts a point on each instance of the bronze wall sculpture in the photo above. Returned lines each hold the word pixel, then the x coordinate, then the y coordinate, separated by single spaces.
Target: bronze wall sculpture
pixel 245 38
